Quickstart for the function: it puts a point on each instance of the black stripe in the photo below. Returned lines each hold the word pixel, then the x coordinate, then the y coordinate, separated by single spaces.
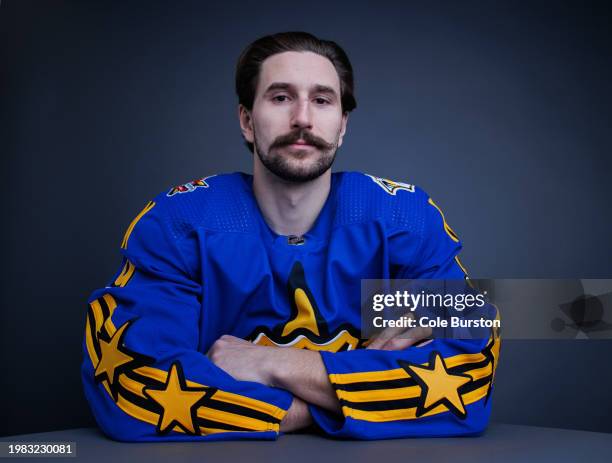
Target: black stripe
pixel 462 368
pixel 375 385
pixel 92 329
pixel 149 382
pixel 214 424
pixel 473 385
pixel 212 403
pixel 106 316
pixel 383 405
pixel 135 399
pixel 105 309
pixel 242 410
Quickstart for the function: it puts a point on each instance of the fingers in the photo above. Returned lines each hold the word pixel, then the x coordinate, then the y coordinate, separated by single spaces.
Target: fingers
pixel 408 338
pixel 387 334
pixel 401 340
pixel 224 342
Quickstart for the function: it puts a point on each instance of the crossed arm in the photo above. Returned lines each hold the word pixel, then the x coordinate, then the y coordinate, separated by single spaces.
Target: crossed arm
pixel 298 371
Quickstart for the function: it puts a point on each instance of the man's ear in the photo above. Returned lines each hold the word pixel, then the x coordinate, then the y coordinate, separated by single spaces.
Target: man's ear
pixel 246 123
pixel 344 122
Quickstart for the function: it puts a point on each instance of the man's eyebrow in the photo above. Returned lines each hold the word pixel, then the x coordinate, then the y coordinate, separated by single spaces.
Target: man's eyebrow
pixel 314 89
pixel 324 89
pixel 278 86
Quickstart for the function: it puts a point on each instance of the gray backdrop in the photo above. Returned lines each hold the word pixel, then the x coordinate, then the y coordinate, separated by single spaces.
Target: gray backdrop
pixel 500 111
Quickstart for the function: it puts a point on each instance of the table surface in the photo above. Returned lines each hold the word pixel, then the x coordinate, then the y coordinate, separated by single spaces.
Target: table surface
pixel 500 443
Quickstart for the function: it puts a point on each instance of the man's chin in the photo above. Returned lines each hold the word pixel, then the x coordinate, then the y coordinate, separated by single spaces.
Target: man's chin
pixel 297 164
pixel 298 172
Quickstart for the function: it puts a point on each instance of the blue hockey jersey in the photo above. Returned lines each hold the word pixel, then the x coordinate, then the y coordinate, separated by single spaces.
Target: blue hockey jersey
pixel 199 261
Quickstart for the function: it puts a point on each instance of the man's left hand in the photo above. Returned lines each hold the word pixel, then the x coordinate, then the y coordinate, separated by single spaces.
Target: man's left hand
pixel 242 359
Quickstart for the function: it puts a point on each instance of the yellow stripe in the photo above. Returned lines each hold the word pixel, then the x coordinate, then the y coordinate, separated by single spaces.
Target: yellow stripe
pixel 460 359
pixel 110 327
pixel 376 395
pixel 152 373
pixel 476 394
pixel 206 431
pixel 235 420
pixel 138 413
pixel 90 346
pixel 254 404
pixel 382 375
pixel 97 314
pixel 461 265
pixel 449 231
pixel 126 274
pixel 130 228
pixel 479 373
pixel 387 415
pixel 112 305
pixel 132 386
pixel 110 301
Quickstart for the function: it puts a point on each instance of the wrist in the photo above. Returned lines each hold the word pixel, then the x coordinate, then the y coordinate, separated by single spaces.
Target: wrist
pixel 275 367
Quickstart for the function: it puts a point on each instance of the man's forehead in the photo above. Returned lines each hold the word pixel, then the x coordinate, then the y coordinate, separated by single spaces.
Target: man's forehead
pixel 299 69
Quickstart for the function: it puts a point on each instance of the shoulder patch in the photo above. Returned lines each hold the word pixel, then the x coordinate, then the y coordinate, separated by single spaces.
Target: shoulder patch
pixel 391 187
pixel 189 186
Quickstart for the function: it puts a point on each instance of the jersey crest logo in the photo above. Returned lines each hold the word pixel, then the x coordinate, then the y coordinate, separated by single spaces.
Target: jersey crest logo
pixel 189 186
pixel 390 186
pixel 306 328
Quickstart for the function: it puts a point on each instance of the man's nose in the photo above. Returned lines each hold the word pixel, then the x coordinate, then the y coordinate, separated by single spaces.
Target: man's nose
pixel 301 117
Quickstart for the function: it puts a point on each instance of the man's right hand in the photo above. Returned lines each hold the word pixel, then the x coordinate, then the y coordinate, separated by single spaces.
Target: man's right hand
pixel 399 338
pixel 297 417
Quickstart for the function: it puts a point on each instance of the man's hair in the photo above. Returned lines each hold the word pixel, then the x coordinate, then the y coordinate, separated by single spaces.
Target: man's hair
pixel 250 60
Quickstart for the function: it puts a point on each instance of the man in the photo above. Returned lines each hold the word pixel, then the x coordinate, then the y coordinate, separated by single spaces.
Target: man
pixel 236 312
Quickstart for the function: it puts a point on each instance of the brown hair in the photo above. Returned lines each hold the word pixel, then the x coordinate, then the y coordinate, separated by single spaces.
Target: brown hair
pixel 249 64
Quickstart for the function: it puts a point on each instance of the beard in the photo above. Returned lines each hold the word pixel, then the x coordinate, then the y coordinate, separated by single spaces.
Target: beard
pixel 287 166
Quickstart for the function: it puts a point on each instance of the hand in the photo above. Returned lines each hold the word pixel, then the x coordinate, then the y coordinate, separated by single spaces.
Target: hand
pixel 399 338
pixel 298 371
pixel 242 359
pixel 297 417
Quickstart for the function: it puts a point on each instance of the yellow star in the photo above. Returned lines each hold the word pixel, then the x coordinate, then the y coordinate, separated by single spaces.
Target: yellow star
pixel 438 385
pixel 111 356
pixel 177 402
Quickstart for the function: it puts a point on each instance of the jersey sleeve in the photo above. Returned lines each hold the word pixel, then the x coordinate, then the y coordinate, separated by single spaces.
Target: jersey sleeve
pixel 142 372
pixel 440 389
pixel 434 255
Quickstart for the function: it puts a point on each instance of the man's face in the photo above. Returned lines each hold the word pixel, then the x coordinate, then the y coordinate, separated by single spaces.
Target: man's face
pixel 296 121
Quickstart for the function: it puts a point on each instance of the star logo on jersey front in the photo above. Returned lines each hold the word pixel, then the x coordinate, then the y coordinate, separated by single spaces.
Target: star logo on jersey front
pixel 306 328
pixel 179 403
pixel 438 386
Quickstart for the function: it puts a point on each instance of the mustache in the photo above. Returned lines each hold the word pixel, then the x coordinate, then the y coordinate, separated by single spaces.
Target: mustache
pixel 301 134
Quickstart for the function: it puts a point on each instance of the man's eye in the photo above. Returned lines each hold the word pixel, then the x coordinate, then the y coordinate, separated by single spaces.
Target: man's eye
pixel 280 98
pixel 322 101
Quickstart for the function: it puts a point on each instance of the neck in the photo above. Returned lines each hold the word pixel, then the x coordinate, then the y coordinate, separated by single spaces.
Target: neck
pixel 289 208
